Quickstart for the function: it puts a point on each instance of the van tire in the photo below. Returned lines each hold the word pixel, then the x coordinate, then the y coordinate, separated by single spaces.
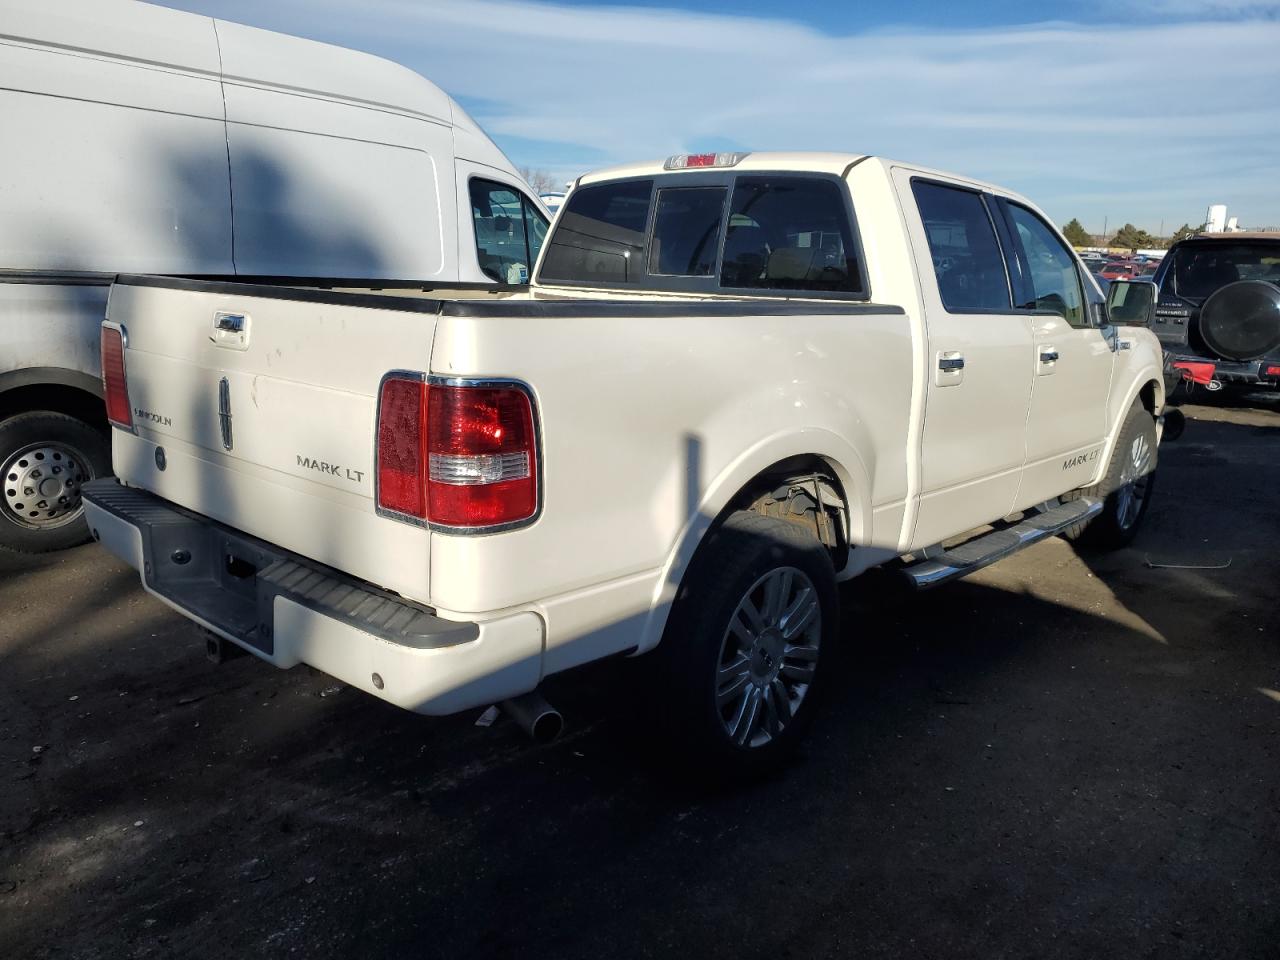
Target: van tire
pixel 56 450
pixel 740 561
pixel 1126 497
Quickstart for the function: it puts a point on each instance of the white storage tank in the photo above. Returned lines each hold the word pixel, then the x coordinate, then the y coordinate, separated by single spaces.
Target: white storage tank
pixel 1216 219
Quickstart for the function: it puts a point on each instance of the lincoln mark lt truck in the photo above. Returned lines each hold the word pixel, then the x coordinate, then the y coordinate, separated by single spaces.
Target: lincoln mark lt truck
pixel 736 380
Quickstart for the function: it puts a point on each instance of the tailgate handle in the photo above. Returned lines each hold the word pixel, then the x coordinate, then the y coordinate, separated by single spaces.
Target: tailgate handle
pixel 231 322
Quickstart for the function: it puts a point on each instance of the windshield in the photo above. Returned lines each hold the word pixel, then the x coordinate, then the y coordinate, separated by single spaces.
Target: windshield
pixel 1200 269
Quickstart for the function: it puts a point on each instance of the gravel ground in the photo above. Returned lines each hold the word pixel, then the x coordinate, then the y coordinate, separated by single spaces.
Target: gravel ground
pixel 1058 757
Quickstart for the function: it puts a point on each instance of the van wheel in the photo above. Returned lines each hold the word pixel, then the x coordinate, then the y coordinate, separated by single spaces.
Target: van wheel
pixel 45 458
pixel 1128 484
pixel 742 656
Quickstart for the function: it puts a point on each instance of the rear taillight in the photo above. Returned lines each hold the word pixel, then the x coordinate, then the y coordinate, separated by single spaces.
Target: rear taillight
pixel 1273 370
pixel 115 387
pixel 402 417
pixel 457 454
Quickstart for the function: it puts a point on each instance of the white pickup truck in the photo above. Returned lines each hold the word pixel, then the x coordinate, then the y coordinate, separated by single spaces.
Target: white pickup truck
pixel 738 379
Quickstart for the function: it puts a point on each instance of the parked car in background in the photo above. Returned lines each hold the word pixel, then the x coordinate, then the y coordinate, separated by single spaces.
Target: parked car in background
pixel 713 408
pixel 138 138
pixel 1218 310
pixel 1091 257
pixel 1118 270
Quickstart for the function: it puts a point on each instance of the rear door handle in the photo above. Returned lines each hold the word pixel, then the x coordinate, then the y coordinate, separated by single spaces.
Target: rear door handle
pixel 950 368
pixel 1048 361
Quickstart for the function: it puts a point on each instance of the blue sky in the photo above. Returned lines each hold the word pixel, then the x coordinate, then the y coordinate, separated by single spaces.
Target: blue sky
pixel 1141 110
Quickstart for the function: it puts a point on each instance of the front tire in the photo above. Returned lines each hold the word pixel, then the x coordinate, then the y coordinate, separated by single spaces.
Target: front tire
pixel 1127 486
pixel 742 658
pixel 45 458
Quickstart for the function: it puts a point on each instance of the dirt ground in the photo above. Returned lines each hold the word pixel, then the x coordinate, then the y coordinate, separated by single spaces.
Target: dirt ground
pixel 1060 757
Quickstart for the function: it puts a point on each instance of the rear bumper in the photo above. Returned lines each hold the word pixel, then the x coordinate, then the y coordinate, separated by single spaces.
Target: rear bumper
pixel 1224 371
pixel 287 611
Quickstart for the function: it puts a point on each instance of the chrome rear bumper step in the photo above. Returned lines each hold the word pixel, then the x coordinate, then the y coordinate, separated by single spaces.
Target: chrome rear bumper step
pixel 985 550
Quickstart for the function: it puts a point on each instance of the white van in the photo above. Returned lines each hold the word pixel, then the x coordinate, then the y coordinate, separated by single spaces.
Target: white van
pixel 138 139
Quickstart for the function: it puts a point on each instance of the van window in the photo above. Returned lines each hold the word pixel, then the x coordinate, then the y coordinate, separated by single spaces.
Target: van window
pixel 789 233
pixel 1050 269
pixel 686 231
pixel 599 234
pixel 962 244
pixel 509 231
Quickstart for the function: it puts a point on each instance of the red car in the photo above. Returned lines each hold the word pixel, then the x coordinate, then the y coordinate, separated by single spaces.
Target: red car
pixel 1120 270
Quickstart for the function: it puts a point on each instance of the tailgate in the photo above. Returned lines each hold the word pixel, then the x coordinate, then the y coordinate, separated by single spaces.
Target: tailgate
pixel 266 424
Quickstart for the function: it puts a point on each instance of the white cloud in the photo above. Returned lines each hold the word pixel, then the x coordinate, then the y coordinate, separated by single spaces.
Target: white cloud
pixel 1138 123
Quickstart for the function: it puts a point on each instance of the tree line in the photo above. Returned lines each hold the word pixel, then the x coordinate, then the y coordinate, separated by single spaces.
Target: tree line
pixel 1128 237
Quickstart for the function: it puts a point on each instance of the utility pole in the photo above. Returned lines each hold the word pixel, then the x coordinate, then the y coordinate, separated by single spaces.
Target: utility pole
pixel 1104 232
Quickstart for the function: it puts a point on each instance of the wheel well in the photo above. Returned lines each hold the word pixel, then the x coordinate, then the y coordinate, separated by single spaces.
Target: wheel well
pixel 1148 396
pixel 803 490
pixel 56 397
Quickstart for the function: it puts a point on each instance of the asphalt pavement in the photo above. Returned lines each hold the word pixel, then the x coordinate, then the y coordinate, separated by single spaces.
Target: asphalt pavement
pixel 1062 756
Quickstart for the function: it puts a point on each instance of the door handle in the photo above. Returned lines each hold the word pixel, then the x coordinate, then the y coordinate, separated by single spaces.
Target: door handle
pixel 1048 355
pixel 950 362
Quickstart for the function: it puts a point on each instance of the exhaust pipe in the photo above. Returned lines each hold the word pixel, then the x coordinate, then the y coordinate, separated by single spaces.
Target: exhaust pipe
pixel 541 721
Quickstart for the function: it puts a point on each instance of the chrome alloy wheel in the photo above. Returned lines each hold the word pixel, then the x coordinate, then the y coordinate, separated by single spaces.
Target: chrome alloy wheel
pixel 42 485
pixel 1134 481
pixel 768 656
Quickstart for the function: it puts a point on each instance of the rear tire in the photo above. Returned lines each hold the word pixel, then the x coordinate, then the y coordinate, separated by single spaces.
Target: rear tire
pixel 741 661
pixel 1126 486
pixel 45 458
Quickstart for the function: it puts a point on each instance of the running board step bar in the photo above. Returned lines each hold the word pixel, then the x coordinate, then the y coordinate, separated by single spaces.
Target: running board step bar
pixel 985 550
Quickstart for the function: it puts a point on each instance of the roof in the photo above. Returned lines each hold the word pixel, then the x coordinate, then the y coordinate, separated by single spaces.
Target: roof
pixel 1253 235
pixel 796 160
pixel 835 163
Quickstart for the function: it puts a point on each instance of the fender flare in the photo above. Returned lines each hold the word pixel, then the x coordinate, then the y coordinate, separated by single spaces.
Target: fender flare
pixel 847 465
pixel 1147 375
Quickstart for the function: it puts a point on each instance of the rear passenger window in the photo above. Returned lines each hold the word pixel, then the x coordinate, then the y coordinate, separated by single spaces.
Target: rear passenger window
pixel 1049 269
pixel 599 237
pixel 789 233
pixel 509 231
pixel 686 231
pixel 962 244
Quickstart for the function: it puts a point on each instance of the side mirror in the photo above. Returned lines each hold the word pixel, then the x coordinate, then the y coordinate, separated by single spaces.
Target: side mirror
pixel 1131 303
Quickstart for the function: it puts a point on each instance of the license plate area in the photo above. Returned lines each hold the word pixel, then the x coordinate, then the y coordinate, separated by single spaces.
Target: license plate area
pixel 213 575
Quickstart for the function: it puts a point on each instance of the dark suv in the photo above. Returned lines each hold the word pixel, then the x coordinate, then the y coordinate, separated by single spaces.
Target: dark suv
pixel 1218 310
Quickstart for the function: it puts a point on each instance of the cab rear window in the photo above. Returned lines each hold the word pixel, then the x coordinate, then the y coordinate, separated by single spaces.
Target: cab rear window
pixel 600 236
pixel 686 231
pixel 789 233
pixel 705 233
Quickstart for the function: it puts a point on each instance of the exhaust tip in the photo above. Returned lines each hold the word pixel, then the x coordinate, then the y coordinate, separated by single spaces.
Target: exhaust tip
pixel 547 727
pixel 537 718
